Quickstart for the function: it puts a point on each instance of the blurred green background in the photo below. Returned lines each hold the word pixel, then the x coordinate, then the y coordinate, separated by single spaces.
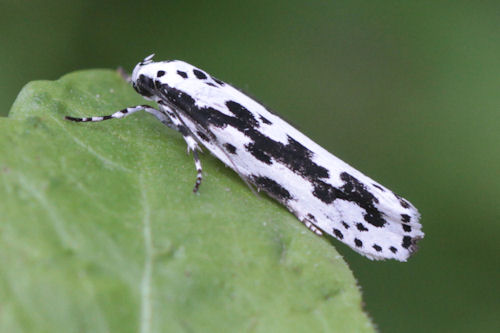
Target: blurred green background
pixel 407 92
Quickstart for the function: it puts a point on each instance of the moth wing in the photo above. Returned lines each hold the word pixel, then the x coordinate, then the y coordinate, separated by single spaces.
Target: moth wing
pixel 226 153
pixel 313 184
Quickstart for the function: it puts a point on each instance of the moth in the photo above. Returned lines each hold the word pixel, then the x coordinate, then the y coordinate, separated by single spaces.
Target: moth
pixel 326 194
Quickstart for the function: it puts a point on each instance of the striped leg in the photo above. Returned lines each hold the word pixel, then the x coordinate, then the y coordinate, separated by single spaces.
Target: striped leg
pixel 199 171
pixel 167 117
pixel 312 227
pixel 128 111
pixel 192 144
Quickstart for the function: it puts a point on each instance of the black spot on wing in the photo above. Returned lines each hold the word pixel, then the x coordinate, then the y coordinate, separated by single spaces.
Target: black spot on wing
pixel 230 148
pixel 405 218
pixel 358 242
pixel 345 225
pixel 265 120
pixel 160 73
pixel 199 74
pixel 338 233
pixel 406 228
pixel 299 159
pixel 393 249
pixel 402 202
pixel 407 241
pixel 217 81
pixel 377 247
pixel 258 153
pixel 243 115
pixel 179 98
pixel 292 154
pixel 182 74
pixel 271 187
pixel 356 188
pixel 361 227
pixel 379 187
pixel 311 218
pixel 353 191
pixel 210 84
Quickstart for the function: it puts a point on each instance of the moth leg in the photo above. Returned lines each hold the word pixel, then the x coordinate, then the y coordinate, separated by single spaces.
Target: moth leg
pixel 312 227
pixel 168 118
pixel 128 111
pixel 199 171
pixel 192 144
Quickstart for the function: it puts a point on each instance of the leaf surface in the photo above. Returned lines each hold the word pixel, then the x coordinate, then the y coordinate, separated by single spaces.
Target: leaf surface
pixel 100 231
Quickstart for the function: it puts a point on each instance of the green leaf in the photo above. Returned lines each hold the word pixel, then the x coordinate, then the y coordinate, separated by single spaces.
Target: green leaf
pixel 100 231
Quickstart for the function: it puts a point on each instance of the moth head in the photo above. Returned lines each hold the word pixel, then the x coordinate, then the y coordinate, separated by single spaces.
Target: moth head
pixel 149 76
pixel 141 80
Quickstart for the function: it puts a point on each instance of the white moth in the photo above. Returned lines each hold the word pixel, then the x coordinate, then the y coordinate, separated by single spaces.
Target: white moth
pixel 326 194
